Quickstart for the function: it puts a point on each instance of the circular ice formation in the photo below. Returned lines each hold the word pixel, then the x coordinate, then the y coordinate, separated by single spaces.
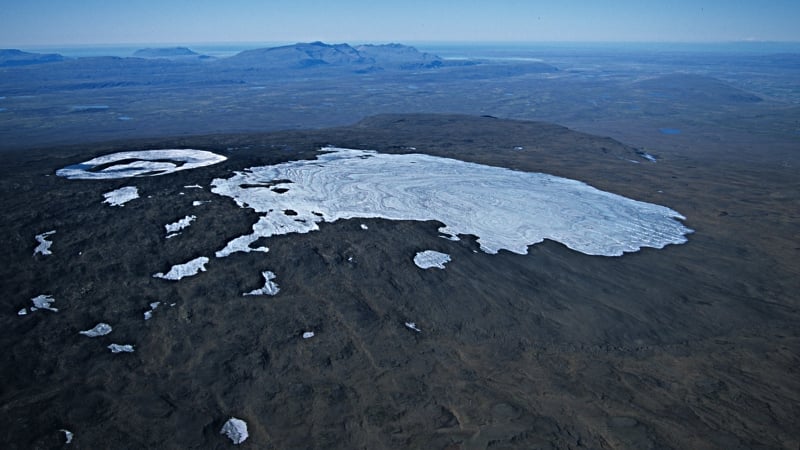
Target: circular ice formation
pixel 142 163
pixel 506 209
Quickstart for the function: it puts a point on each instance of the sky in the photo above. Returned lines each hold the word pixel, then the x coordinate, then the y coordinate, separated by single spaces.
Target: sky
pixel 81 22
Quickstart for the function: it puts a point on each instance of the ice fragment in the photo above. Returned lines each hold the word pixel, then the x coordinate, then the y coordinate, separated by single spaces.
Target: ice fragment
pixel 270 287
pixel 43 302
pixel 116 348
pixel 67 436
pixel 235 429
pixel 430 258
pixel 412 326
pixel 44 245
pixel 188 269
pixel 180 224
pixel 121 196
pixel 101 329
pixel 149 313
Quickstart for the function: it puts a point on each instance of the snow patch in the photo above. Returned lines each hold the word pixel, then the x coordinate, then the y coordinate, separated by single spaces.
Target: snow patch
pixel 121 196
pixel 117 348
pixel 43 302
pixel 270 287
pixel 187 269
pixel 262 227
pixel 648 156
pixel 44 245
pixel 101 329
pixel 430 258
pixel 308 335
pixel 235 429
pixel 412 326
pixel 149 313
pixel 180 224
pixel 67 436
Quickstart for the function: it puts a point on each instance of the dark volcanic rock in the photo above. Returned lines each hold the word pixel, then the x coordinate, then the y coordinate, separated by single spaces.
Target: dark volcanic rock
pixel 690 346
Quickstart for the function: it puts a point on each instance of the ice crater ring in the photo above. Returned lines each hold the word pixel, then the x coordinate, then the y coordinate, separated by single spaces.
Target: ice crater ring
pixel 141 163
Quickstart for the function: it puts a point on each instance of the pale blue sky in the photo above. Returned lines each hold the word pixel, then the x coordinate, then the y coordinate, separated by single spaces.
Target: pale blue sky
pixel 64 22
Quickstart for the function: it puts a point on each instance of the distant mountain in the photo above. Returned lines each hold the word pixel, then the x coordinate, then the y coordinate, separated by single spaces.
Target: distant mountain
pixel 299 56
pixel 318 54
pixel 13 57
pixel 169 53
pixel 401 56
pixel 180 66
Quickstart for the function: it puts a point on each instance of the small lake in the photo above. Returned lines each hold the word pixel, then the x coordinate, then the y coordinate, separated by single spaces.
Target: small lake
pixel 669 131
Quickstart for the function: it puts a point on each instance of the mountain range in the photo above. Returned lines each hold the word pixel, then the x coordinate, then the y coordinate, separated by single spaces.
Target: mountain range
pixel 14 57
pixel 314 57
pixel 169 53
pixel 318 54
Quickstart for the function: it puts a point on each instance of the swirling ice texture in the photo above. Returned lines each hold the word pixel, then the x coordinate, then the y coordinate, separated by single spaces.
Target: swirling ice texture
pixel 140 164
pixel 506 209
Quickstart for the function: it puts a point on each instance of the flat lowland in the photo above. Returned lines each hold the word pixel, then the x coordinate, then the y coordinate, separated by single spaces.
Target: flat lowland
pixel 691 346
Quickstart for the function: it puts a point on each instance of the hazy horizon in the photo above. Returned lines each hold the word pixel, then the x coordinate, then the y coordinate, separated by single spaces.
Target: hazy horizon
pixel 444 49
pixel 40 23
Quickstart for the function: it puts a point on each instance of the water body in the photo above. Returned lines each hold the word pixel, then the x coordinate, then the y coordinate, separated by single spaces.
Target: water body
pixel 669 131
